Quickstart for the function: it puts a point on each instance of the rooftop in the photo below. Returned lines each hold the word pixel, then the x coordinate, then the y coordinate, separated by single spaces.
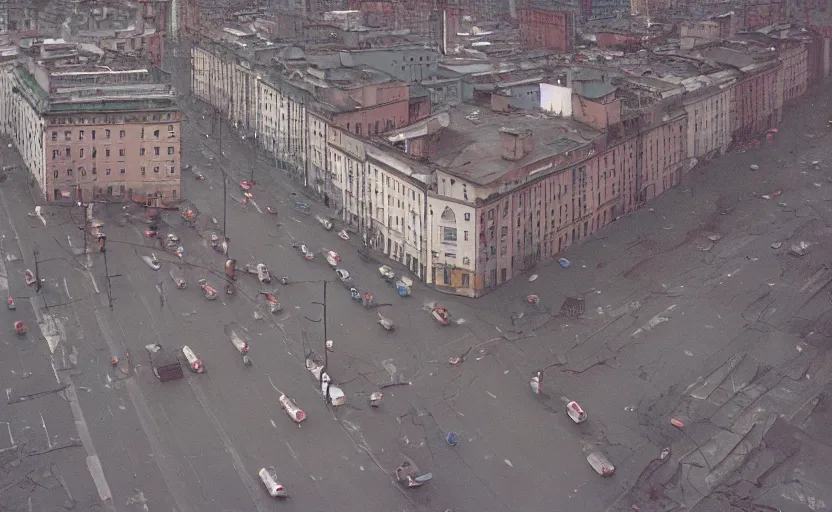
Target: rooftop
pixel 471 148
pixel 93 89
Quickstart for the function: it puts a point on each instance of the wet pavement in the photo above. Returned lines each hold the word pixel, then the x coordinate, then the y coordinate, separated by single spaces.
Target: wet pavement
pixel 690 314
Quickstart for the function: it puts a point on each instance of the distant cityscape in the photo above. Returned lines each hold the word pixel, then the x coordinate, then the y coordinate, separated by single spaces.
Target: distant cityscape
pixel 468 140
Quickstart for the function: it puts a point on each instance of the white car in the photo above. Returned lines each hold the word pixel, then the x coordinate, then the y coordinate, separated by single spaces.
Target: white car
pixel 269 478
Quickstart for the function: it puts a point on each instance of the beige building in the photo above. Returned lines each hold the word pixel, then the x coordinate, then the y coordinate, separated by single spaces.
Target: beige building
pixel 708 106
pixel 90 132
pixel 398 208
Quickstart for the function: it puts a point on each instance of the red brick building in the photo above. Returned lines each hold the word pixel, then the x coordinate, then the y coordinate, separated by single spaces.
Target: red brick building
pixel 546 30
pixel 759 13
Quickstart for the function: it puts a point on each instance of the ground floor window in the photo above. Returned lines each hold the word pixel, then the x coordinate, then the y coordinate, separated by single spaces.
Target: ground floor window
pixel 446 276
pixel 466 280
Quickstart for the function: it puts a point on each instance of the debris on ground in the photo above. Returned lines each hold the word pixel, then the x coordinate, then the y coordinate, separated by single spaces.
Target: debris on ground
pixel 573 307
pixel 676 423
pixel 533 278
pixel 564 262
pixel 799 248
pixel 755 167
pixel 777 245
pixel 532 299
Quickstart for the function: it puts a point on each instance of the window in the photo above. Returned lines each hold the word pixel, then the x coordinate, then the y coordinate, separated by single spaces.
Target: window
pixel 155 133
pixel 69 173
pixel 81 135
pixel 466 280
pixel 108 172
pixel 449 234
pixel 142 134
pixel 106 134
pixel 174 193
pixel 467 216
pixel 68 154
pixel 55 154
pixel 82 171
pixel 122 170
pixel 81 153
pixel 121 152
pixel 94 152
pixel 172 169
pixel 121 134
pixel 143 171
pixel 92 134
pixel 55 173
pixel 121 190
pixel 171 133
pixel 465 235
pixel 156 150
pixel 156 170
pixel 54 136
pixel 67 135
pixel 94 171
pixel 141 151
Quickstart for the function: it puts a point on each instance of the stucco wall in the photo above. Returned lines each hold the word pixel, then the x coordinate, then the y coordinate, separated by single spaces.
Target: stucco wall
pixel 556 99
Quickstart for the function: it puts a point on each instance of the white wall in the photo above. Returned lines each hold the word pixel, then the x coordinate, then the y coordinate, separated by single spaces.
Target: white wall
pixel 25 127
pixel 556 99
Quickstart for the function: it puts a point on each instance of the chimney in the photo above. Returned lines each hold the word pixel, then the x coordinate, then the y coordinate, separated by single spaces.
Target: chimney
pixel 517 143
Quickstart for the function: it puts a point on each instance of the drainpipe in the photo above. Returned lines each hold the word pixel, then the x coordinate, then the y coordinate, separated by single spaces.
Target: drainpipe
pixel 428 246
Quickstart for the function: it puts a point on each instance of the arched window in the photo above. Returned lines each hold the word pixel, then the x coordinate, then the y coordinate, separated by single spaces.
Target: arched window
pixel 448 215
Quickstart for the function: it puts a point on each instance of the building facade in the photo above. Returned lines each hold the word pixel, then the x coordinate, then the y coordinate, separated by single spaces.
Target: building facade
pixel 398 209
pixel 120 139
pixel 546 30
pixel 709 116
pixel 758 103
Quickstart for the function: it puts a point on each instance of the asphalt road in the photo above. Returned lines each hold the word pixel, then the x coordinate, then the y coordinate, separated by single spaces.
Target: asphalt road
pixel 665 306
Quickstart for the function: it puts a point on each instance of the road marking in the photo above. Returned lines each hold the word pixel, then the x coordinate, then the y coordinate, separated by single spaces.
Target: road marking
pixel 66 289
pixel 291 451
pixel 160 455
pixel 296 220
pixel 48 439
pixel 237 461
pixel 94 284
pixel 97 472
pixel 255 205
pixel 69 240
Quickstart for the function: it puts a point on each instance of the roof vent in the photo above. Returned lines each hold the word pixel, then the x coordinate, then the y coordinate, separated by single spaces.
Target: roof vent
pixel 516 143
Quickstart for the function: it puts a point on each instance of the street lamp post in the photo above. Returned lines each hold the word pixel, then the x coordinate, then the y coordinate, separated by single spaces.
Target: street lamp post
pixel 326 348
pixel 36 252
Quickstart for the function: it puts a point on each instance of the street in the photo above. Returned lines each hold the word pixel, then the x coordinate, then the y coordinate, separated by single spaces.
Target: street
pixel 671 295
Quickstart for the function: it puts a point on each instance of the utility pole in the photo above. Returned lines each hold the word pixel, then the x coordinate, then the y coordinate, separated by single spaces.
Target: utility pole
pixel 109 286
pixel 224 209
pixel 36 252
pixel 326 349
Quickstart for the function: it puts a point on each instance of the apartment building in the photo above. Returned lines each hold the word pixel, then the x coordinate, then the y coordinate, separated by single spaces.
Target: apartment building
pixel 470 199
pixel 94 132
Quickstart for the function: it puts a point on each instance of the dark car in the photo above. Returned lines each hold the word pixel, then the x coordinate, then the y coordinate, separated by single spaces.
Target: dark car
pixel 165 364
